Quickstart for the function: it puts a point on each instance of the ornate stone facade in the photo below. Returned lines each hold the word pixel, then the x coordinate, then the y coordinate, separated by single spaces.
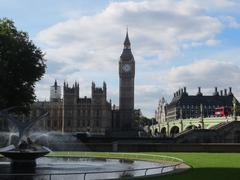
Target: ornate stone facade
pixel 161 112
pixel 75 114
pixel 184 106
pixel 72 113
pixel 126 86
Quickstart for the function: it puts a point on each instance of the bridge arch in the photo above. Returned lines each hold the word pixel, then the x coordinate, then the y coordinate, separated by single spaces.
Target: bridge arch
pixel 174 130
pixel 164 131
pixel 156 132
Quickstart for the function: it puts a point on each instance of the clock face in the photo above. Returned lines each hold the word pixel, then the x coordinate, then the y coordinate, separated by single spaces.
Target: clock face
pixel 126 67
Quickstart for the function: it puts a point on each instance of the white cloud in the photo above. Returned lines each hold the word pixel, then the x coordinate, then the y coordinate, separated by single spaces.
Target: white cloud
pixel 88 47
pixel 230 21
pixel 222 3
pixel 157 27
pixel 212 42
pixel 205 73
pixel 148 96
pixel 214 4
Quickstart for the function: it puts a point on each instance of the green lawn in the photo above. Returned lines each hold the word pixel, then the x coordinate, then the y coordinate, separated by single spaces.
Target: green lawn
pixel 206 166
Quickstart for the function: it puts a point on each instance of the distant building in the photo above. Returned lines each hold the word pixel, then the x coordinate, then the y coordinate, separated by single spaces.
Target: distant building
pixel 75 114
pixel 71 113
pixel 126 87
pixel 184 106
pixel 161 112
pixel 55 92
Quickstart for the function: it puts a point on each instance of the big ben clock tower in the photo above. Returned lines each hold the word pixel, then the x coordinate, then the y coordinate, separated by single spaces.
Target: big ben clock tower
pixel 126 86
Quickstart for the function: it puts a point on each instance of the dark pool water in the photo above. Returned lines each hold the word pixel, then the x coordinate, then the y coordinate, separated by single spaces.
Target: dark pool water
pixel 70 168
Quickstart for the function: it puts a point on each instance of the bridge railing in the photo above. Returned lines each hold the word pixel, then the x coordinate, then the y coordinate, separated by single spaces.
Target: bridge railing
pixel 183 132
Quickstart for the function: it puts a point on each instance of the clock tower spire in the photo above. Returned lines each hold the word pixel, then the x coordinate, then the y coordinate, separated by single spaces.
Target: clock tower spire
pixel 127 44
pixel 126 86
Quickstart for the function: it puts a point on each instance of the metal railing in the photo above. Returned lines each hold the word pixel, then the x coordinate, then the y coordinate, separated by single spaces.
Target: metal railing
pixel 86 175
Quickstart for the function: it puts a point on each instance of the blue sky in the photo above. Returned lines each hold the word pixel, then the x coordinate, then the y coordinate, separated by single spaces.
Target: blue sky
pixel 176 43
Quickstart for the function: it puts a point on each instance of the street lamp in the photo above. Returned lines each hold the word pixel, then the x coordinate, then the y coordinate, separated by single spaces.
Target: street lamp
pixel 201 113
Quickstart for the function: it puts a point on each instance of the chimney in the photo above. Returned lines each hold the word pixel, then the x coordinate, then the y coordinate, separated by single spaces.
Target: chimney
pixel 199 89
pixel 225 92
pixel 181 91
pixel 221 92
pixel 185 91
pixel 216 92
pixel 199 92
pixel 230 91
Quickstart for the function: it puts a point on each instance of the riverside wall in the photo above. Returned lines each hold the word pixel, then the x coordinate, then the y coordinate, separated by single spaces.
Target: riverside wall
pixel 147 147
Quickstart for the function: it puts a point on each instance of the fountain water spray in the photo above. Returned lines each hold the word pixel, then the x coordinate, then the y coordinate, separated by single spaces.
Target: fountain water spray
pixel 26 151
pixel 23 127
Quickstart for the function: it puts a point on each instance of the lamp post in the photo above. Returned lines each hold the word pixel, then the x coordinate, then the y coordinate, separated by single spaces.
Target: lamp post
pixel 201 112
pixel 234 108
pixel 181 117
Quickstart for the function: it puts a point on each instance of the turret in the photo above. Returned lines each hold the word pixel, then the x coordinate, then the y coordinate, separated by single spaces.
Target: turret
pixel 127 53
pixel 55 92
pixel 93 88
pixel 99 92
pixel 181 91
pixel 230 91
pixel 127 44
pixel 105 89
pixel 70 94
pixel 216 92
pixel 225 92
pixel 76 90
pixel 199 92
pixel 185 91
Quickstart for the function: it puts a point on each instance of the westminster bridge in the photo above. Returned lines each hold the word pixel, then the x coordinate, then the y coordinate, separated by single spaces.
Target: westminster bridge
pixel 171 128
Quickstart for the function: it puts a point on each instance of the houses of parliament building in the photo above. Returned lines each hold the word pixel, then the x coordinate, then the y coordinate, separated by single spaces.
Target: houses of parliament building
pixel 95 114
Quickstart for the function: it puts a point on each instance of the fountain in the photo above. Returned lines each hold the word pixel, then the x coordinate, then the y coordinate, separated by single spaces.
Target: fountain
pixel 26 159
pixel 25 153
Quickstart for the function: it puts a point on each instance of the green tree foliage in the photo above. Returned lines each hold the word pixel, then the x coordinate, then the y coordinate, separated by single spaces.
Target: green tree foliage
pixel 21 66
pixel 143 121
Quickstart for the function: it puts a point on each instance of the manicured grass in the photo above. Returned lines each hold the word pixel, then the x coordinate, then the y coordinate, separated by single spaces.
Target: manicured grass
pixel 205 166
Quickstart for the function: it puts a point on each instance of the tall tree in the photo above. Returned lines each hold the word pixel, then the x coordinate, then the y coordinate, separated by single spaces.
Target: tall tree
pixel 21 66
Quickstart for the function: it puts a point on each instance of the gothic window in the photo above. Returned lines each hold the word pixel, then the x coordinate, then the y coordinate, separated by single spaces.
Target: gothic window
pixel 68 123
pixel 97 123
pixel 49 123
pixel 55 123
pixel 98 113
